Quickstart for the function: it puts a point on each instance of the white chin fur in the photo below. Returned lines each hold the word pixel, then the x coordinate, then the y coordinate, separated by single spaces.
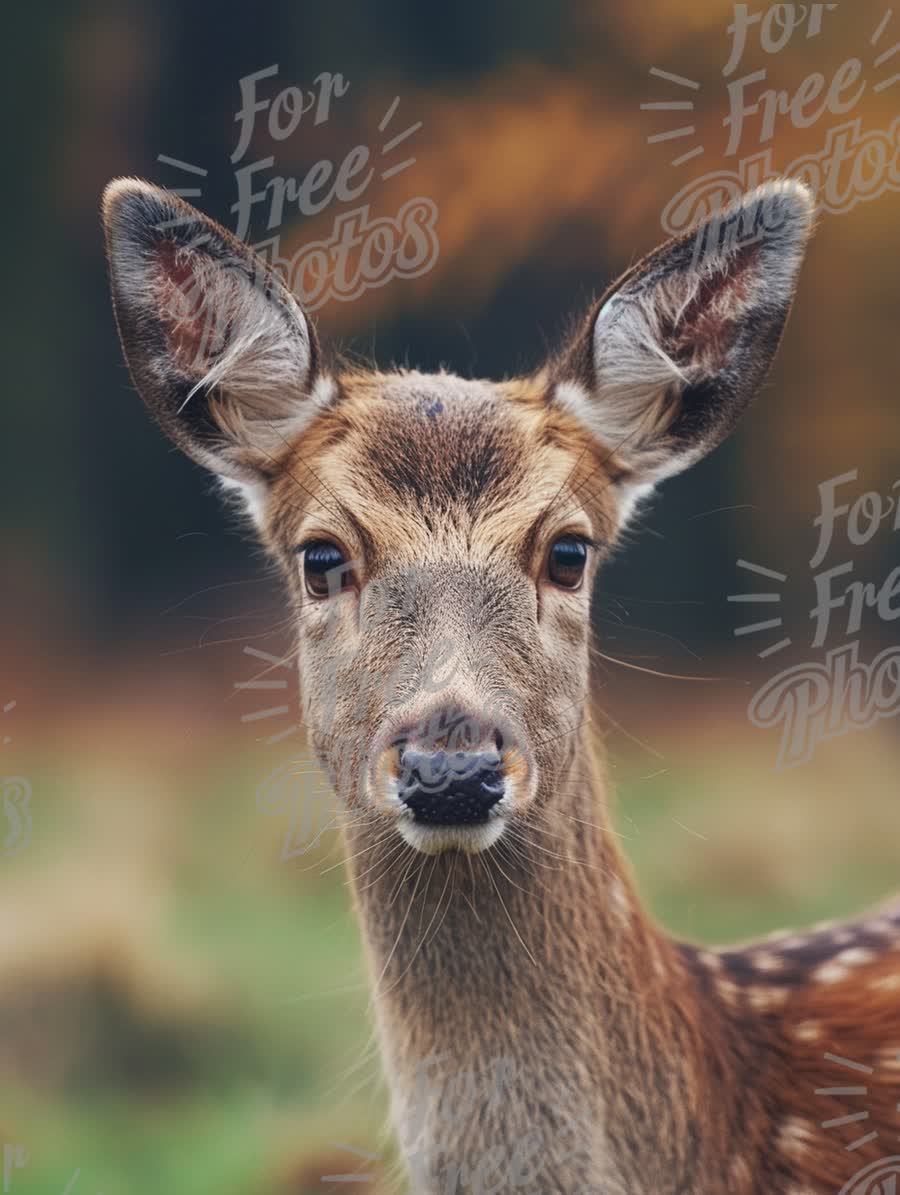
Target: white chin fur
pixel 432 840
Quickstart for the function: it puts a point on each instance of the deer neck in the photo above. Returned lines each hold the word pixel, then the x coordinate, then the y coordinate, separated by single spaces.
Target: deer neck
pixel 525 1001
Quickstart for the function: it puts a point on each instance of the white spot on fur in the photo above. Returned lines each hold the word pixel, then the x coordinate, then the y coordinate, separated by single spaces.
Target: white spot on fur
pixel 883 925
pixel 796 1137
pixel 324 392
pixel 807 1031
pixel 633 497
pixel 768 962
pixel 619 898
pixel 795 942
pixel 857 957
pixel 831 972
pixel 767 999
pixel 741 1175
pixel 251 494
pixel 728 990
pixel 779 935
pixel 574 399
pixel 885 983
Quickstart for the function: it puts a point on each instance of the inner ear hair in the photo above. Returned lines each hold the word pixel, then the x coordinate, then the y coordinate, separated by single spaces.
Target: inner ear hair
pixel 676 349
pixel 217 345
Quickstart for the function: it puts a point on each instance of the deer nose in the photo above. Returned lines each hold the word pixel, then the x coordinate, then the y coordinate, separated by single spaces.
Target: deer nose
pixel 450 788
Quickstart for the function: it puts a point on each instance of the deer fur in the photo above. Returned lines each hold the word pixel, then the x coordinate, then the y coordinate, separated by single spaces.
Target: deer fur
pixel 540 1033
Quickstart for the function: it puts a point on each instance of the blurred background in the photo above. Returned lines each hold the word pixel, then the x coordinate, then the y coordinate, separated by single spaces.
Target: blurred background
pixel 182 996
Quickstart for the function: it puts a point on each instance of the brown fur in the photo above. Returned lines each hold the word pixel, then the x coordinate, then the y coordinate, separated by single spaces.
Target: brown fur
pixel 568 1044
pixel 689 1072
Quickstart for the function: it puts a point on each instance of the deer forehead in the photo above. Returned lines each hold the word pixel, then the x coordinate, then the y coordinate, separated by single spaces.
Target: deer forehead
pixel 420 463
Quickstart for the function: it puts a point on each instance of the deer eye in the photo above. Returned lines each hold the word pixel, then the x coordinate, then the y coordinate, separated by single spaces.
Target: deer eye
pixel 325 570
pixel 567 560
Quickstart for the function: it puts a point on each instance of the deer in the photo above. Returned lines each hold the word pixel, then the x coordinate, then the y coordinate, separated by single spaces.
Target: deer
pixel 440 539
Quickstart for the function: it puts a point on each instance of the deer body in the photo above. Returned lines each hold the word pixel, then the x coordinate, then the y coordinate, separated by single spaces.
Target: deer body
pixel 579 1049
pixel 543 1029
pixel 440 538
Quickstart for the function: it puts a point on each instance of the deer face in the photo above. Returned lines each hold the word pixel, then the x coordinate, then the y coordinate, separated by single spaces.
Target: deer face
pixel 441 558
pixel 439 536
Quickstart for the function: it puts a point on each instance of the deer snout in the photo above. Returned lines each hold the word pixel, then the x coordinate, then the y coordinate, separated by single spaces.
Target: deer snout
pixel 450 778
pixel 450 788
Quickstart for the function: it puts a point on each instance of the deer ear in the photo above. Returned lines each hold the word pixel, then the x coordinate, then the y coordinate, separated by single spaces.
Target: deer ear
pixel 216 344
pixel 671 356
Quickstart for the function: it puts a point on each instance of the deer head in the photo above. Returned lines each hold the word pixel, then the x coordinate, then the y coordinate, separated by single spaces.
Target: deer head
pixel 440 537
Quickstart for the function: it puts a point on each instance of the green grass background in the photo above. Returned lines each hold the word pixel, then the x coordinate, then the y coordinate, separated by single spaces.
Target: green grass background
pixel 184 1011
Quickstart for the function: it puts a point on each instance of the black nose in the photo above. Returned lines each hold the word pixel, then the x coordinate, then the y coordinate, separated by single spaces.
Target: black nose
pixel 450 788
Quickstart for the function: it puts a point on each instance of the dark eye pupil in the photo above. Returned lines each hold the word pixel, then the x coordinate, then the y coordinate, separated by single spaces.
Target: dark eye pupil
pixel 320 558
pixel 568 557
